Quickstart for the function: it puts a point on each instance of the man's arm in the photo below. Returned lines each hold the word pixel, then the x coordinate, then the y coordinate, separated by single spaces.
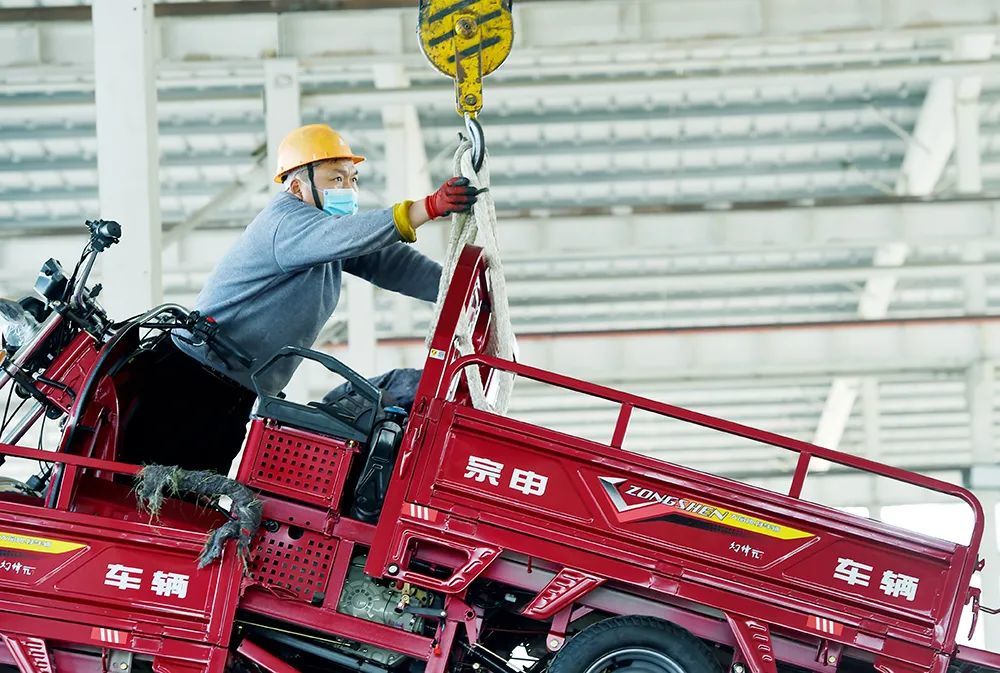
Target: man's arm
pixel 399 268
pixel 306 236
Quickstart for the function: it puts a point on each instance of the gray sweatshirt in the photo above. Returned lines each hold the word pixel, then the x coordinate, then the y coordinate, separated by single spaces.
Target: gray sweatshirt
pixel 280 282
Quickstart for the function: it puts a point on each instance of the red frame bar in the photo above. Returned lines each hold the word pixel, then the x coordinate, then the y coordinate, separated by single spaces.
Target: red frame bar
pixel 621 426
pixel 805 449
pixel 801 470
pixel 263 658
pixel 972 655
pixel 68 459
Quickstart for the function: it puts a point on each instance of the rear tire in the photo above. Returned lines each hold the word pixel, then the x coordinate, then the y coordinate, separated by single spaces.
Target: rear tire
pixel 634 645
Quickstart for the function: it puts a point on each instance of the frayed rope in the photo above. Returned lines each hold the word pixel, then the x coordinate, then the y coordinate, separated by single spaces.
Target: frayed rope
pixel 156 482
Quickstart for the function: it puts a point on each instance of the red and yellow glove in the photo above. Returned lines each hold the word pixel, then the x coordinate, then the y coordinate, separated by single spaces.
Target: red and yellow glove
pixel 454 196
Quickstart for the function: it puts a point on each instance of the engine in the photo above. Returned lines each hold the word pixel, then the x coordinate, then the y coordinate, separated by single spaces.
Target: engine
pixel 366 599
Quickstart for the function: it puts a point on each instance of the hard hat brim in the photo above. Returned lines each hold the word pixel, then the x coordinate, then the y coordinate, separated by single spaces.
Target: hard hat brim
pixel 280 177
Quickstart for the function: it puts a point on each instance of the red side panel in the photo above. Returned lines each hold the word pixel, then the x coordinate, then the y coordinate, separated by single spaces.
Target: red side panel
pixel 621 505
pixel 497 485
pixel 110 581
pixel 303 466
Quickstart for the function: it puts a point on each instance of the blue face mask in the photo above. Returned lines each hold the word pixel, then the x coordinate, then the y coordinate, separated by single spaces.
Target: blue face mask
pixel 340 201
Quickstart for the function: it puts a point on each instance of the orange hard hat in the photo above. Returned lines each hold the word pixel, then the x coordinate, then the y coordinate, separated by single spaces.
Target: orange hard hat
pixel 309 144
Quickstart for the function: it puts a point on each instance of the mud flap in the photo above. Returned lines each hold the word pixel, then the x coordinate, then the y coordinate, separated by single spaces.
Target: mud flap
pixel 753 642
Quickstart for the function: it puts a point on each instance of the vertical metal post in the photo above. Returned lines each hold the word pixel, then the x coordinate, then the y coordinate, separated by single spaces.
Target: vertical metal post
pixel 799 478
pixel 282 105
pixel 621 427
pixel 128 151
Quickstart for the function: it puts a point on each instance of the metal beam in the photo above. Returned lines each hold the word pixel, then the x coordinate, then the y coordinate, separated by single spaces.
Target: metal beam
pixel 604 26
pixel 862 348
pixel 82 12
pixel 508 93
pixel 247 183
pixel 127 151
pixel 931 143
pixel 878 290
pixel 661 187
pixel 787 224
pixel 593 88
pixel 594 286
pixel 933 139
pixel 927 155
pixel 687 184
pixel 836 412
pixel 872 111
pixel 784 228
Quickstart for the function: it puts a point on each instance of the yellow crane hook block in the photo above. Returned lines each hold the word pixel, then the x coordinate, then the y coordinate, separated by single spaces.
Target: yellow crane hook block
pixel 466 40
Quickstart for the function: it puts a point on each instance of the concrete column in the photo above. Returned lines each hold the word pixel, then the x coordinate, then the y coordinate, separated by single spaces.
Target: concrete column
pixel 967 113
pixel 871 410
pixel 128 152
pixel 407 170
pixel 406 177
pixel 361 341
pixel 282 106
pixel 967 156
pixel 282 114
pixel 974 283
pixel 980 387
pixel 991 572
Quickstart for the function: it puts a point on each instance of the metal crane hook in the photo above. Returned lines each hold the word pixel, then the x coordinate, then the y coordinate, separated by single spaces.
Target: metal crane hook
pixel 478 138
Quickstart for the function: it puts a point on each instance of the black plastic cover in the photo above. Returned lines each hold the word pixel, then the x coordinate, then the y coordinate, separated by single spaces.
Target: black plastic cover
pixel 52 281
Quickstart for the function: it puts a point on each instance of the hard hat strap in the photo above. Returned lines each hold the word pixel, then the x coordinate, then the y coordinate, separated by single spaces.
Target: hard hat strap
pixel 312 186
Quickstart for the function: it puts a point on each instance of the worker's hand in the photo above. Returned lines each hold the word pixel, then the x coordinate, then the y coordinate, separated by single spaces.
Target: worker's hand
pixel 454 196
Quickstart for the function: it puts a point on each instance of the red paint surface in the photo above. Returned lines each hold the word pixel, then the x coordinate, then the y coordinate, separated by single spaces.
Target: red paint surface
pixel 604 528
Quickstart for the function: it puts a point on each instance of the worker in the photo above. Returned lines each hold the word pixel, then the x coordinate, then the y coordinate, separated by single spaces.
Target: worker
pixel 280 283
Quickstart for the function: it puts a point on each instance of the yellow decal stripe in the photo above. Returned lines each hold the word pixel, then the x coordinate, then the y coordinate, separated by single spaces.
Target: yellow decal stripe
pixel 753 524
pixel 39 544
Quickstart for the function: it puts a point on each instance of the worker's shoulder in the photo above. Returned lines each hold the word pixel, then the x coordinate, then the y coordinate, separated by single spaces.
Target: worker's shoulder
pixel 279 208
